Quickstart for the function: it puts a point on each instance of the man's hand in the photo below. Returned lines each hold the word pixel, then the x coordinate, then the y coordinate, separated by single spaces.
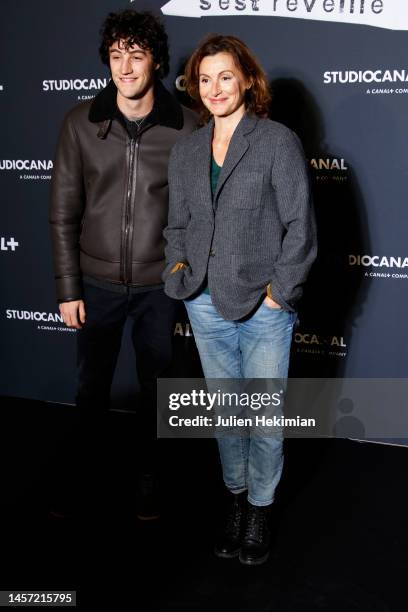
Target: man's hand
pixel 73 313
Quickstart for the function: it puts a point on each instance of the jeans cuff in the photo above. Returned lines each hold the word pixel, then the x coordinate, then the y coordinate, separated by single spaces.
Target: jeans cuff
pixel 236 490
pixel 258 502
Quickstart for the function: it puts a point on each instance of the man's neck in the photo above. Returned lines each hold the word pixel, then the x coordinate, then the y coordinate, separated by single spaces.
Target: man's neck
pixel 137 107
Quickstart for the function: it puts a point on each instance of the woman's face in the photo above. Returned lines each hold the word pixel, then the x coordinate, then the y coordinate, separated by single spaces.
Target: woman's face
pixel 222 85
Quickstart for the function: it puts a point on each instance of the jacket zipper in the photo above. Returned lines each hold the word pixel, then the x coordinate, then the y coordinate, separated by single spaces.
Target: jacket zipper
pixel 127 251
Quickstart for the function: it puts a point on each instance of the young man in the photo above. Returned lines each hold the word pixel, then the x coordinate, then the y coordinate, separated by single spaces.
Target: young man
pixel 109 208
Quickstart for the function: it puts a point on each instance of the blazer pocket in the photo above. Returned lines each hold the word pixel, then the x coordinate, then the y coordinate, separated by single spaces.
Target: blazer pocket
pixel 246 191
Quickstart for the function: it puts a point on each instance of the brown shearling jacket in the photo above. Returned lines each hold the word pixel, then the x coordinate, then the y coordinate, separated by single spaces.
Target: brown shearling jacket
pixel 109 197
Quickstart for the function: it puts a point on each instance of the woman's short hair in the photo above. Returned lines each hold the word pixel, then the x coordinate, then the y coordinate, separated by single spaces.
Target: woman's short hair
pixel 258 97
pixel 143 29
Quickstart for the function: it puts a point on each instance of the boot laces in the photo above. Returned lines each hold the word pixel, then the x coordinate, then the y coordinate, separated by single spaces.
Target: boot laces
pixel 256 524
pixel 233 523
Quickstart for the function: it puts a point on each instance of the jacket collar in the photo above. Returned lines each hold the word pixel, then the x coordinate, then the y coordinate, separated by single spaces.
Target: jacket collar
pixel 245 126
pixel 167 110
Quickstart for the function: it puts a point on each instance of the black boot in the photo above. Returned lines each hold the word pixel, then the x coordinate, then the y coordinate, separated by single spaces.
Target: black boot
pixel 256 541
pixel 229 541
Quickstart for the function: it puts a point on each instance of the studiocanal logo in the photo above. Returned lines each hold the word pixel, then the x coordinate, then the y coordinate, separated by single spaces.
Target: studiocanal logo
pixel 329 169
pixel 183 330
pixel 44 321
pixel 382 82
pixel 381 266
pixel 316 344
pixel 28 169
pixel 90 85
pixel 8 244
pixel 390 14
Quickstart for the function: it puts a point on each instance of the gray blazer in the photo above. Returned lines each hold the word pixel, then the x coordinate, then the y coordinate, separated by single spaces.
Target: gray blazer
pixel 260 229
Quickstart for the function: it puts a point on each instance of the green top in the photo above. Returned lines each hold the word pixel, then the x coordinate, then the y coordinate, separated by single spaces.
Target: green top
pixel 214 176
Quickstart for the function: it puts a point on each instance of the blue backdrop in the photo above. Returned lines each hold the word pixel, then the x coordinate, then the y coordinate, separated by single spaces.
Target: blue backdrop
pixel 339 78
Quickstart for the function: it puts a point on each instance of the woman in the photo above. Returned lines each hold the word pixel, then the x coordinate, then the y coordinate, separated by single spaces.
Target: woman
pixel 241 241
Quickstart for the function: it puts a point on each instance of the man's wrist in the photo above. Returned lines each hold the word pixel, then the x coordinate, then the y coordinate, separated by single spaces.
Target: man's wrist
pixel 63 300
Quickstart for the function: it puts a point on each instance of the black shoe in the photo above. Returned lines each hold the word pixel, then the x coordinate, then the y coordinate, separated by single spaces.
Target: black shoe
pixel 61 513
pixel 148 499
pixel 256 541
pixel 61 508
pixel 229 541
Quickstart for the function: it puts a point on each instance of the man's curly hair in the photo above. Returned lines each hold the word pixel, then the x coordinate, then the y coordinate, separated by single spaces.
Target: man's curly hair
pixel 143 29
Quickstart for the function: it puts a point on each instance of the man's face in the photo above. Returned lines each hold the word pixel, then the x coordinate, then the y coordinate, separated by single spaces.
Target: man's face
pixel 132 69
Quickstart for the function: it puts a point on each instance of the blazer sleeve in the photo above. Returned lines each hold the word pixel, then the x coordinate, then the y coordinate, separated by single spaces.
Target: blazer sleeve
pixel 179 215
pixel 66 212
pixel 290 180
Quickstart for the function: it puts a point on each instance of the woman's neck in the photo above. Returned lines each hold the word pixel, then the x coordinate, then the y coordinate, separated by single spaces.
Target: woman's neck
pixel 224 127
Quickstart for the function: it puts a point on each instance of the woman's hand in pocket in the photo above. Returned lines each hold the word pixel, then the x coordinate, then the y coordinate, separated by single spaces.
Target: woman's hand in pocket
pixel 270 303
pixel 180 265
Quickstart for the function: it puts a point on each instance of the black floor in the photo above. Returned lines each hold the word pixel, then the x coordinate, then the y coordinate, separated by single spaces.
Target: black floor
pixel 341 539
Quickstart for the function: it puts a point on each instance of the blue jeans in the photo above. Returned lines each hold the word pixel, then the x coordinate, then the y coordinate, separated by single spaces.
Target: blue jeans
pixel 255 347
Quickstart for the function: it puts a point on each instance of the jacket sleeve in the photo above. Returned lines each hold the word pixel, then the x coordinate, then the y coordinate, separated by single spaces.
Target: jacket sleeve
pixel 179 216
pixel 66 212
pixel 290 180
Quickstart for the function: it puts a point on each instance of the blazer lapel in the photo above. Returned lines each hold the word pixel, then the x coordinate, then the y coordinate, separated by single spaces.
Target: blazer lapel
pixel 237 148
pixel 202 159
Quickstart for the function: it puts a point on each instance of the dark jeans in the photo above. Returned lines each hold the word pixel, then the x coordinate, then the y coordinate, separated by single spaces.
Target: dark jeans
pixel 98 461
pixel 105 450
pixel 153 314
